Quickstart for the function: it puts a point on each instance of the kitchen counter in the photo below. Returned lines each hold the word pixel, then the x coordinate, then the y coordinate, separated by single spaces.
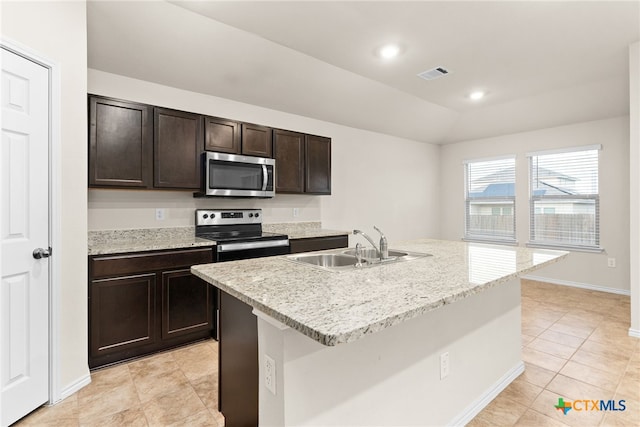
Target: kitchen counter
pixel 341 307
pixel 429 341
pixel 106 242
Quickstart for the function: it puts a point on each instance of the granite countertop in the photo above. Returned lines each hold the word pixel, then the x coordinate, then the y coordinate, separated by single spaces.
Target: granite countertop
pixel 341 307
pixel 106 242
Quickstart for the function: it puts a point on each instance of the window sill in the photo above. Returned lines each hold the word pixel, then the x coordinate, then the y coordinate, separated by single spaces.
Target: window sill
pixel 490 241
pixel 565 248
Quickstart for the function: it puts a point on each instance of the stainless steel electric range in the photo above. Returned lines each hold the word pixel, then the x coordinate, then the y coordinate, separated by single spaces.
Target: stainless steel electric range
pixel 238 234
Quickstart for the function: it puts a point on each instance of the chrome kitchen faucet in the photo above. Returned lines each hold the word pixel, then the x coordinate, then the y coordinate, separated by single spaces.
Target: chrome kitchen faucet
pixel 383 251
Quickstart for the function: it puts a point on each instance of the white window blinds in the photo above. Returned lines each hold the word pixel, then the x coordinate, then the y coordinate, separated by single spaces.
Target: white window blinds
pixel 490 200
pixel 564 208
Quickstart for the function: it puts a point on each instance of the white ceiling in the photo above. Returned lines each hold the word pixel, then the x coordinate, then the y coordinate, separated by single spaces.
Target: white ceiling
pixel 542 63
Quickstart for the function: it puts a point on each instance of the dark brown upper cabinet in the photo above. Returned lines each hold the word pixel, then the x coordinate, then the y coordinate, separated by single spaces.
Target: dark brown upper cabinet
pixel 178 140
pixel 222 135
pixel 256 140
pixel 133 145
pixel 288 150
pixel 120 143
pixel 317 179
pixel 303 163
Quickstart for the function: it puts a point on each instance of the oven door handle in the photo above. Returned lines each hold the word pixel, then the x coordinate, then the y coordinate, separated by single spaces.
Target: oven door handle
pixel 265 177
pixel 231 247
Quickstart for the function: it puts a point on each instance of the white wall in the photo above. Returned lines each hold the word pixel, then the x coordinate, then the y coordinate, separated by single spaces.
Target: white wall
pixel 376 179
pixel 57 31
pixel 634 193
pixel 579 267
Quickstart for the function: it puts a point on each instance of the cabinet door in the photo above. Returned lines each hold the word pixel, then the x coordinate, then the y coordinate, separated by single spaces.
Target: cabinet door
pixel 122 314
pixel 120 143
pixel 288 150
pixel 256 140
pixel 178 142
pixel 186 304
pixel 317 165
pixel 222 135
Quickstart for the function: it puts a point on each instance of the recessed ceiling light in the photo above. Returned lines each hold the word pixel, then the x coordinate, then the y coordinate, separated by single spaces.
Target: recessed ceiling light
pixel 389 51
pixel 475 96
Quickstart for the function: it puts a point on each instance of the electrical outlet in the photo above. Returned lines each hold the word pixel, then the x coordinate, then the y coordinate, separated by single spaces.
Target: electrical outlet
pixel 444 365
pixel 159 214
pixel 611 262
pixel 296 212
pixel 270 374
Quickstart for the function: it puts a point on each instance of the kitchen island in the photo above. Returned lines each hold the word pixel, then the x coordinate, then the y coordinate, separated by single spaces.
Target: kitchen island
pixel 424 342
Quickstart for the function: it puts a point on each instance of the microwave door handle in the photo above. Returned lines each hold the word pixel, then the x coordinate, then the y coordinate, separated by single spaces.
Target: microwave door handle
pixel 265 177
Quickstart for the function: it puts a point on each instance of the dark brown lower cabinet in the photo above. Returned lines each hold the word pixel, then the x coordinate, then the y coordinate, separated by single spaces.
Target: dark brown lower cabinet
pixel 146 302
pixel 186 306
pixel 318 243
pixel 123 313
pixel 238 363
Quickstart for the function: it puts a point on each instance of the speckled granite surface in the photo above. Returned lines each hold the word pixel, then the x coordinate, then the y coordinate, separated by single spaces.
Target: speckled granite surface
pixel 105 242
pixel 340 307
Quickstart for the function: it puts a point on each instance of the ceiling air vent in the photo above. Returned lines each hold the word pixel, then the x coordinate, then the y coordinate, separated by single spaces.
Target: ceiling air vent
pixel 434 73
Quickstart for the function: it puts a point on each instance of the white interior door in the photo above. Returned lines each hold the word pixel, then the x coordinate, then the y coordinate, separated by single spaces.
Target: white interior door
pixel 24 227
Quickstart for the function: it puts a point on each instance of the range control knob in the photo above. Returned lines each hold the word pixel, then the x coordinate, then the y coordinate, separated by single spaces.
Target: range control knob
pixel 205 216
pixel 250 215
pixel 212 215
pixel 257 214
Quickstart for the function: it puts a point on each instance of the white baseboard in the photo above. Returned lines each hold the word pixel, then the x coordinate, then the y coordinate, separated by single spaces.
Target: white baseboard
pixel 634 333
pixel 481 402
pixel 578 285
pixel 73 387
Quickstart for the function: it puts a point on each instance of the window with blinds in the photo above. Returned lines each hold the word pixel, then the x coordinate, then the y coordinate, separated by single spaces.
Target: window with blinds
pixel 564 208
pixel 490 200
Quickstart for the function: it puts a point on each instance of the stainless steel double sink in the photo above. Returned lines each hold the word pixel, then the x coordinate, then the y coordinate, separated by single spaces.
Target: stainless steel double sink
pixel 345 259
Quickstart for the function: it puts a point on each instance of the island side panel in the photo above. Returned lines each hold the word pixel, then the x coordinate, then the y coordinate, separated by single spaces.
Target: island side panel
pixel 238 363
pixel 393 377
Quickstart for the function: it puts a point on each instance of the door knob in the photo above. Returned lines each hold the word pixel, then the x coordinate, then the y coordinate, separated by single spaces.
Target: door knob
pixel 41 253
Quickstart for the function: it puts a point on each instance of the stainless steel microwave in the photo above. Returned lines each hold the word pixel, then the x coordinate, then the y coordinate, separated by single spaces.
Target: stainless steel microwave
pixel 233 175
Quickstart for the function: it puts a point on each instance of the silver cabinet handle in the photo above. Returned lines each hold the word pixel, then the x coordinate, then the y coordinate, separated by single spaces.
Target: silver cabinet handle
pixel 41 253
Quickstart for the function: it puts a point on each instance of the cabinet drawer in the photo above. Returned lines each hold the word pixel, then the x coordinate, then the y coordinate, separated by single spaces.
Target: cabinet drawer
pixel 113 265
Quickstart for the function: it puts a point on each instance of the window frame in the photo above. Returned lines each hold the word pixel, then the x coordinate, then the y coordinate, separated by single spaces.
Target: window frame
pixel 595 197
pixel 488 238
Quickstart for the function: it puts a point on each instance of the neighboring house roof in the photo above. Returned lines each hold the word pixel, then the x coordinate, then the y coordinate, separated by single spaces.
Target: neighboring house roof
pixel 507 189
pixel 495 188
pixel 546 189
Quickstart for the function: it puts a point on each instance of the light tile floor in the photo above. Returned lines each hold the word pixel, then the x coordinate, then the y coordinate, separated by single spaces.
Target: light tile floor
pixel 174 388
pixel 575 346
